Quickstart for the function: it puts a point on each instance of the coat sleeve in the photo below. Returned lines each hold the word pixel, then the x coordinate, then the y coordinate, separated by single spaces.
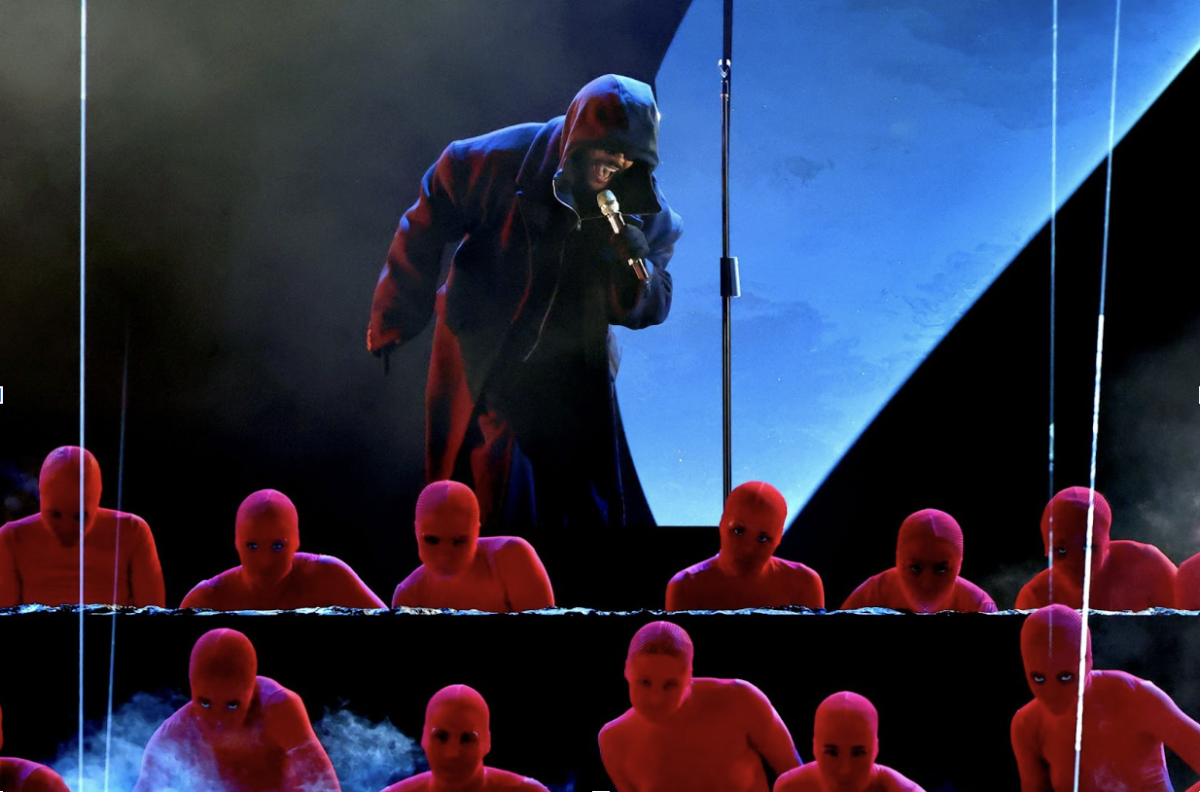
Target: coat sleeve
pixel 404 295
pixel 637 304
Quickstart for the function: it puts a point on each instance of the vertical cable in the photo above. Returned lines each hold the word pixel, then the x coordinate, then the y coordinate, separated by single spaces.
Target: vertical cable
pixel 1053 260
pixel 112 650
pixel 82 327
pixel 1087 568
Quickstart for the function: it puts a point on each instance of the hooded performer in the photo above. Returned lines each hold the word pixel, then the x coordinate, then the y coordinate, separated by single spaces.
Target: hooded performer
pixel 684 733
pixel 1126 575
pixel 272 575
pixel 456 739
pixel 746 573
pixel 929 555
pixel 521 403
pixel 1126 720
pixel 39 555
pixel 240 732
pixel 846 744
pixel 21 775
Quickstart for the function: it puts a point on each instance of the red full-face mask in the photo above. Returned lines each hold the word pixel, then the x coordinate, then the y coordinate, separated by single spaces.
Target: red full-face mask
pixel 658 669
pixel 929 552
pixel 457 735
pixel 751 527
pixel 58 488
pixel 447 523
pixel 268 536
pixel 1050 650
pixel 223 676
pixel 1064 532
pixel 846 742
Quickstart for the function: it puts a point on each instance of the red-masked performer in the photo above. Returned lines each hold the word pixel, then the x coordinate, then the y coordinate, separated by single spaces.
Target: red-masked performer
pixel 521 402
pixel 846 744
pixel 1126 575
pixel 1126 720
pixel 240 732
pixel 273 576
pixel 1187 585
pixel 929 554
pixel 702 735
pixel 461 570
pixel 20 775
pixel 746 574
pixel 39 555
pixel 456 739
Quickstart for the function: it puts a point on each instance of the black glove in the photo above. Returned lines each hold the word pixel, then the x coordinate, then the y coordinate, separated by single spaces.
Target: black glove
pixel 630 244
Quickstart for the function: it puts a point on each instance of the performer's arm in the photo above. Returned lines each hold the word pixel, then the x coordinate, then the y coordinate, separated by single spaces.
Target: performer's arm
pixel 610 754
pixel 348 589
pixel 1158 578
pixel 526 584
pixel 306 765
pixel 767 734
pixel 1034 772
pixel 404 295
pixel 146 585
pixel 634 303
pixel 10 578
pixel 1159 715
pixel 44 780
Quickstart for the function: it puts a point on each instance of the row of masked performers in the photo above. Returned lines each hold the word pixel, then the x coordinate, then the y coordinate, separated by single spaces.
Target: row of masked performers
pixel 242 732
pixel 40 559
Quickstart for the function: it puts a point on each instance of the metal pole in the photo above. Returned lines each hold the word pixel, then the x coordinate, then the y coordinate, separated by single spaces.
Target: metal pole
pixel 730 280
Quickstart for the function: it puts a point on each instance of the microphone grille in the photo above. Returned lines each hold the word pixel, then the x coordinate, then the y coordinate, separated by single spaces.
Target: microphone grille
pixel 607 201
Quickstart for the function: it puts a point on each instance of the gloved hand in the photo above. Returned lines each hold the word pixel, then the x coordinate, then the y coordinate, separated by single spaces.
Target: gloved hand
pixel 630 244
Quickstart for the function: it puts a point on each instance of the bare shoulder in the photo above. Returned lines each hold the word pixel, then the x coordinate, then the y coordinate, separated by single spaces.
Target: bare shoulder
pixel 976 595
pixel 417 783
pixel 892 781
pixel 701 569
pixel 327 566
pixel 503 780
pixel 407 594
pixel 793 568
pixel 507 547
pixel 1027 723
pixel 617 732
pixel 1145 556
pixel 16 527
pixel 1035 593
pixel 804 778
pixel 43 779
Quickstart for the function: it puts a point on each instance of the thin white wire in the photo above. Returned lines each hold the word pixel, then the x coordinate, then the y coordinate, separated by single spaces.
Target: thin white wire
pixel 82 326
pixel 1053 263
pixel 112 650
pixel 1087 569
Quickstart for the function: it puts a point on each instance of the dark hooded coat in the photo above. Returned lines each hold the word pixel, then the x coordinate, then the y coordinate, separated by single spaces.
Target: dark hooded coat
pixel 521 402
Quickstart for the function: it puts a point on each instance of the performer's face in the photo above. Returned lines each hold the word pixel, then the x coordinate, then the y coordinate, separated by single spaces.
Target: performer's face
pixel 446 539
pixel 1050 652
pixel 1064 532
pixel 1068 549
pixel 267 539
pixel 599 166
pixel 456 739
pixel 222 702
pixel 58 489
pixel 750 533
pixel 846 747
pixel 658 685
pixel 928 568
